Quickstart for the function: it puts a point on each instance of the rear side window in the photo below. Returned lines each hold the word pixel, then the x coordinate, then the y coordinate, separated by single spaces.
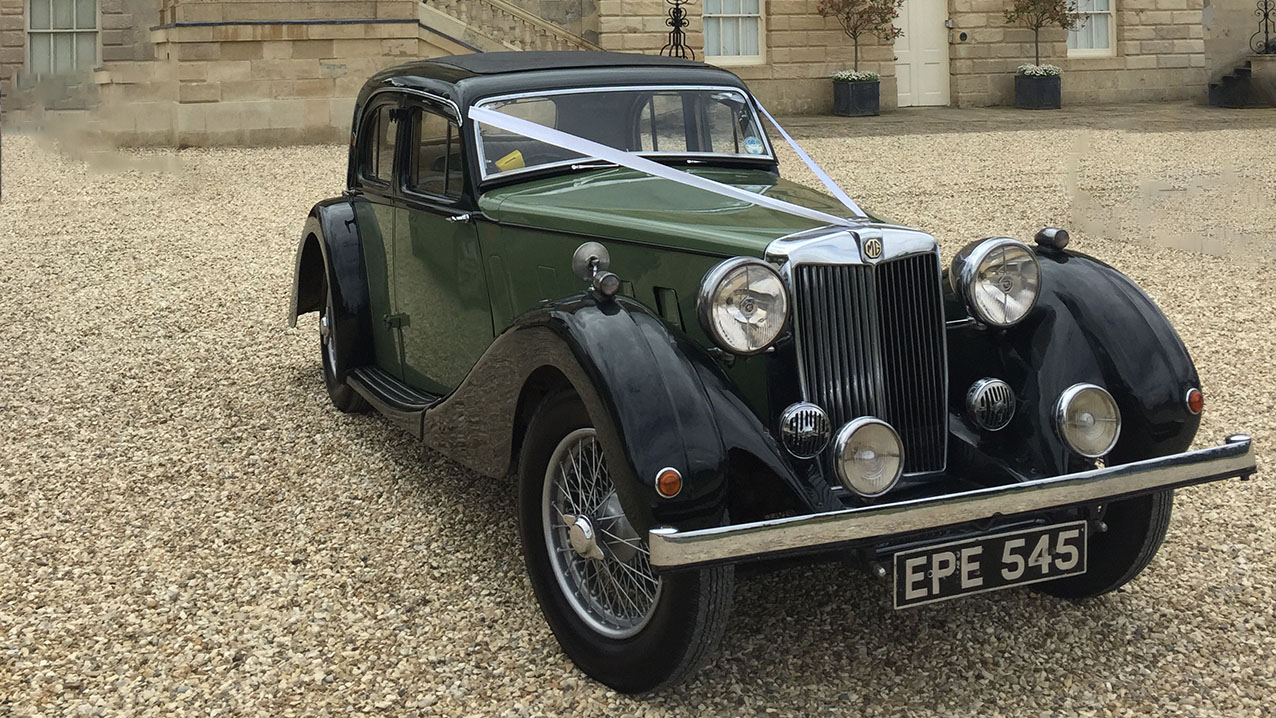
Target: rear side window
pixel 380 133
pixel 436 161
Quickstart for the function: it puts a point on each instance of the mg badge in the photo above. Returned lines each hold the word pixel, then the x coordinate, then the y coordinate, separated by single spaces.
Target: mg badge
pixel 872 248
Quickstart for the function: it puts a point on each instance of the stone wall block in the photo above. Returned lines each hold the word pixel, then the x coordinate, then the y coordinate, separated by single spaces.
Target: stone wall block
pixel 199 92
pixel 1156 47
pixel 1140 62
pixel 183 51
pixel 238 90
pixel 241 51
pixel 312 50
pixel 1189 46
pixel 230 71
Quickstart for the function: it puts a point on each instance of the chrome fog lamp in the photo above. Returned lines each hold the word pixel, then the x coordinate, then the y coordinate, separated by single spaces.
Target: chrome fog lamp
pixel 999 278
pixel 1087 418
pixel 868 456
pixel 743 305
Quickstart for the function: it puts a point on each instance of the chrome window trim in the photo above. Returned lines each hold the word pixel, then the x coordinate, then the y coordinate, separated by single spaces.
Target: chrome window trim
pixel 748 101
pixel 418 93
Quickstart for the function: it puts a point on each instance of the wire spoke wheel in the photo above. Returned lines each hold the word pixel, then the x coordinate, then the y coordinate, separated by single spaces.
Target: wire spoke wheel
pixel 600 562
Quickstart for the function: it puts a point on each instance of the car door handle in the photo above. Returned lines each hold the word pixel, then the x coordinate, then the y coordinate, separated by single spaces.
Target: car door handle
pixel 459 217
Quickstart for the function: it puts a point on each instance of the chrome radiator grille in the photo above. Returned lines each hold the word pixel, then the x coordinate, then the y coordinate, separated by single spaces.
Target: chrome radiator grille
pixel 870 342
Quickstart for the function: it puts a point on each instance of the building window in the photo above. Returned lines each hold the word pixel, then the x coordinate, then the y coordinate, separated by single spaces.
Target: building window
pixel 733 30
pixel 61 36
pixel 1093 35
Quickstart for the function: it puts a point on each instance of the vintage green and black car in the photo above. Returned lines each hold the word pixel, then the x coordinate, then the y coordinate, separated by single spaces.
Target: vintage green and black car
pixel 583 270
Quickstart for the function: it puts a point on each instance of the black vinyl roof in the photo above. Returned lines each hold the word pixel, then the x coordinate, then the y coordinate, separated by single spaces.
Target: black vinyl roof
pixel 465 79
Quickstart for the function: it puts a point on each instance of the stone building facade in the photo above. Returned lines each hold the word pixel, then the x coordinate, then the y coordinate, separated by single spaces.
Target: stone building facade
pixel 262 71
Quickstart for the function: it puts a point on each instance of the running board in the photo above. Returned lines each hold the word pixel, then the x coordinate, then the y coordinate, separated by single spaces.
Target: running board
pixel 397 401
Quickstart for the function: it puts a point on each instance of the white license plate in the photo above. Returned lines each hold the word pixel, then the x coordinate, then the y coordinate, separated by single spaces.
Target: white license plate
pixel 989 563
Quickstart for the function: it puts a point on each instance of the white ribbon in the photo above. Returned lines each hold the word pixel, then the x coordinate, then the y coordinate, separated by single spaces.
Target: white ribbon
pixel 820 174
pixel 588 148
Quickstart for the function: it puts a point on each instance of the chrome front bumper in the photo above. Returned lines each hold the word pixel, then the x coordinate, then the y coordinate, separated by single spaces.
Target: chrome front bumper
pixel 815 533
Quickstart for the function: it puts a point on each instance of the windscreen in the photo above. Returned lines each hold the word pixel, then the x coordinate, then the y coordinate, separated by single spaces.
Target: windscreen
pixel 674 122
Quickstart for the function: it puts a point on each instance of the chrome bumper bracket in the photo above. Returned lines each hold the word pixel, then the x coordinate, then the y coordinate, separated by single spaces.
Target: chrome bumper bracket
pixel 816 533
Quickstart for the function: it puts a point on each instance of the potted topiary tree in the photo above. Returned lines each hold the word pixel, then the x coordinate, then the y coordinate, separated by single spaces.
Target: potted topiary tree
pixel 858 93
pixel 1038 86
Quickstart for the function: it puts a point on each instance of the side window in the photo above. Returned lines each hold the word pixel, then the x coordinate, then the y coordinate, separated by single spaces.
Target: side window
pixel 380 133
pixel 436 162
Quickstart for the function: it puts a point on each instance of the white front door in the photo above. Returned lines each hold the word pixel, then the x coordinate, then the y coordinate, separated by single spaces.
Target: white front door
pixel 921 64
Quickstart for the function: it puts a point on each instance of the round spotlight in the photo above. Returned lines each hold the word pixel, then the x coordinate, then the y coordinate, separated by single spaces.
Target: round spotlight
pixel 1088 419
pixel 805 429
pixel 990 404
pixel 869 457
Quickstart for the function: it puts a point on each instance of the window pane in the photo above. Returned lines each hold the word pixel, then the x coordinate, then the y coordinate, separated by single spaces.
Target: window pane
pixel 712 7
pixel 63 49
pixel 730 36
pixel 63 14
pixel 41 53
pixel 731 7
pixel 749 35
pixel 1099 34
pixel 40 15
pixel 455 163
pixel 387 133
pixel 712 39
pixel 85 50
pixel 671 128
pixel 724 132
pixel 431 154
pixel 534 109
pixel 86 14
pixel 1101 4
pixel 1072 39
pixel 750 7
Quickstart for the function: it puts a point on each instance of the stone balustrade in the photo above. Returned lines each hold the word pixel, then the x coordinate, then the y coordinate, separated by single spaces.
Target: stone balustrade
pixel 512 26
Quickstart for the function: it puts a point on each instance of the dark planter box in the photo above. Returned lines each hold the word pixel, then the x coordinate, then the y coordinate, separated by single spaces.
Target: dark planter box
pixel 856 99
pixel 1038 93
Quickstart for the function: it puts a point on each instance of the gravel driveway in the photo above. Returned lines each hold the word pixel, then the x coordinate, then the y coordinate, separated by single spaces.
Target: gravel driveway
pixel 187 526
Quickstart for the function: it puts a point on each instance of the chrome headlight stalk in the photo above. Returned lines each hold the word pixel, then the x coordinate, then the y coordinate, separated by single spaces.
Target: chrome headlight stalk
pixel 743 305
pixel 999 278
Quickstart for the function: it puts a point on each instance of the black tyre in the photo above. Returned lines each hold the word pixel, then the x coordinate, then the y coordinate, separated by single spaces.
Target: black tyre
pixel 615 618
pixel 343 397
pixel 1136 529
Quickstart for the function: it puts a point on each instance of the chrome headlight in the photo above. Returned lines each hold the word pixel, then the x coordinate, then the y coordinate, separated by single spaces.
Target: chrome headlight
pixel 743 305
pixel 868 456
pixel 999 278
pixel 1088 419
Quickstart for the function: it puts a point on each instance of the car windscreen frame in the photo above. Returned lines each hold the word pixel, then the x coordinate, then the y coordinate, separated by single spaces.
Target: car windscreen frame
pixel 768 157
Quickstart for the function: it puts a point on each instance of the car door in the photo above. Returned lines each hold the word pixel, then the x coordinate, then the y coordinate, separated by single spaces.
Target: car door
pixel 440 286
pixel 375 213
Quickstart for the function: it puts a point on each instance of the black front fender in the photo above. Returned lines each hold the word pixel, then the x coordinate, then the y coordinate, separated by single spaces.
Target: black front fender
pixel 656 400
pixel 1091 324
pixel 330 251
